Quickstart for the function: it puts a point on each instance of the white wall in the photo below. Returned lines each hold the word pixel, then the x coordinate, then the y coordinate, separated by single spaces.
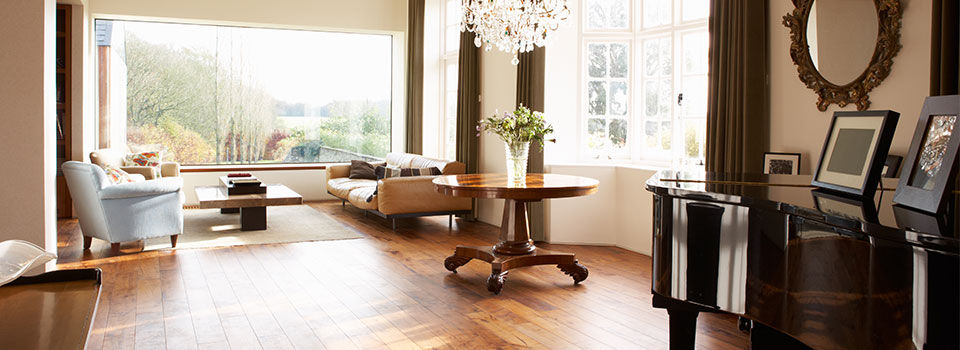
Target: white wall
pixel 795 123
pixel 498 92
pixel 27 97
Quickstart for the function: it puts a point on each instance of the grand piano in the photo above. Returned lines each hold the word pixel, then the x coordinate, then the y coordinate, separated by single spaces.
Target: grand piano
pixel 803 268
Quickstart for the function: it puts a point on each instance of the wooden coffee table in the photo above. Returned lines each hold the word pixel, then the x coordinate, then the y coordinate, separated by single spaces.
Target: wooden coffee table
pixel 253 207
pixel 515 248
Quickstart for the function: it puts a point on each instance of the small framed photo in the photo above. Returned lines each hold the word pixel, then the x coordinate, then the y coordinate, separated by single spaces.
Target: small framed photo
pixel 854 152
pixel 781 163
pixel 931 161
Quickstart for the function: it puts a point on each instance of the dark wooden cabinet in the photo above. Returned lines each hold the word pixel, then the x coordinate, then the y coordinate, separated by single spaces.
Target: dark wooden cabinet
pixel 64 108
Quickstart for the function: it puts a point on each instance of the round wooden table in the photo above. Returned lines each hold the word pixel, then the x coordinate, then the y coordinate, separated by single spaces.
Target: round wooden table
pixel 515 248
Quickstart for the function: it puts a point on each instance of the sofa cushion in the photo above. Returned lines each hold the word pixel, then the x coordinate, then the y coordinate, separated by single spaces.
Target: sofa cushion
pixel 364 198
pixel 362 170
pixel 342 186
pixel 407 160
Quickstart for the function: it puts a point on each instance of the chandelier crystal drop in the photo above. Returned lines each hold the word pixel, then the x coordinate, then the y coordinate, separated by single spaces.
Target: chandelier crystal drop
pixel 514 26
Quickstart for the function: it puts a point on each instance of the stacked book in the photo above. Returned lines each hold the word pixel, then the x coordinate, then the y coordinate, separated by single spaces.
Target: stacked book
pixel 242 184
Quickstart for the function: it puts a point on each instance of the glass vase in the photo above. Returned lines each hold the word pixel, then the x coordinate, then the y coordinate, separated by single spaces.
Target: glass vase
pixel 517 153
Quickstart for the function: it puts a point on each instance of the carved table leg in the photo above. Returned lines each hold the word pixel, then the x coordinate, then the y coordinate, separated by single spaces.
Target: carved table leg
pixel 495 281
pixel 575 270
pixel 453 262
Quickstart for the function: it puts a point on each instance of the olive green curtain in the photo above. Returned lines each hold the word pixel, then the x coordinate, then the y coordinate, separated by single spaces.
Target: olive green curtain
pixel 468 106
pixel 414 121
pixel 945 48
pixel 530 74
pixel 737 96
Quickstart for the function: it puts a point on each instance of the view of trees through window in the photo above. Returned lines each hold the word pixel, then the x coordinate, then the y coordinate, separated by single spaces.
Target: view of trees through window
pixel 226 95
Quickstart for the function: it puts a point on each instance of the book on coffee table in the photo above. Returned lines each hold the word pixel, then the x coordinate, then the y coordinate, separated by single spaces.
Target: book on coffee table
pixel 246 185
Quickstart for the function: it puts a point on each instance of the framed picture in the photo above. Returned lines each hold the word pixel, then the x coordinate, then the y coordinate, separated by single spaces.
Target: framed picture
pixel 781 163
pixel 854 152
pixel 892 165
pixel 931 160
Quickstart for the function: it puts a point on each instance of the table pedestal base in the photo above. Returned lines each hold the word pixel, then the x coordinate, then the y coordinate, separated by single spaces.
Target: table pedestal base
pixel 501 264
pixel 514 250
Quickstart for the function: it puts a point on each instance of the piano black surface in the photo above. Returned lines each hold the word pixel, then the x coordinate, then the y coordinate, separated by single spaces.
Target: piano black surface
pixel 808 268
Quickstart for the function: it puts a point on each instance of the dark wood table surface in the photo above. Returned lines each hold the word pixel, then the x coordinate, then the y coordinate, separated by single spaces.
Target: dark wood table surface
pixel 515 248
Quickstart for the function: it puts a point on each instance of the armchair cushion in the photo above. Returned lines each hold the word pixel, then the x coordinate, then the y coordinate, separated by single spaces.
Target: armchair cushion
pixel 116 175
pixel 141 189
pixel 151 159
pixel 148 172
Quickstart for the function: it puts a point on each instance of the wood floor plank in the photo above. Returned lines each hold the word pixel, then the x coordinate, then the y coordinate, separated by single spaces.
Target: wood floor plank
pixel 386 290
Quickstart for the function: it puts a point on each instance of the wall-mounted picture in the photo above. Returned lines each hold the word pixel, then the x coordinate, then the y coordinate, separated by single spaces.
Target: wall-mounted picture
pixel 854 152
pixel 931 162
pixel 781 163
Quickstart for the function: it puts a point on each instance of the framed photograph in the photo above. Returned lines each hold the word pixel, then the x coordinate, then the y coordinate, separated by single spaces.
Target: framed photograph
pixel 854 152
pixel 781 163
pixel 892 165
pixel 931 161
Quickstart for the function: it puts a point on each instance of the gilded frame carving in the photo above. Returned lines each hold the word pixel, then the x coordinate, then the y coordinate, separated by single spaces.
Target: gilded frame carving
pixel 889 15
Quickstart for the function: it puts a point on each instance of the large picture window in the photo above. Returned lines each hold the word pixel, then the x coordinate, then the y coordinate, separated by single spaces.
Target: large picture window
pixel 644 80
pixel 208 94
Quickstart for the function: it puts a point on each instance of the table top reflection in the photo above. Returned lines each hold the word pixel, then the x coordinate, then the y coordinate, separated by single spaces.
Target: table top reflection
pixel 536 186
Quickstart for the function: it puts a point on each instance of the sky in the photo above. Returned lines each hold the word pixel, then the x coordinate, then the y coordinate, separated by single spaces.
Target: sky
pixel 294 66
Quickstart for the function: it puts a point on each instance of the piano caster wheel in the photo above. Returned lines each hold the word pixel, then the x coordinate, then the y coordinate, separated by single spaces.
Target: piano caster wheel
pixel 453 262
pixel 495 282
pixel 745 325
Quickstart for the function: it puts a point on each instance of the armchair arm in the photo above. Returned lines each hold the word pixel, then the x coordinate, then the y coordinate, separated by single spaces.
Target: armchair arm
pixel 148 172
pixel 142 189
pixel 415 194
pixel 337 171
pixel 170 169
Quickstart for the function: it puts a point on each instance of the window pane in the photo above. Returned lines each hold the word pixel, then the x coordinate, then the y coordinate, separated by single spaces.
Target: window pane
pixel 695 9
pixel 666 98
pixel 597 55
pixel 695 46
pixel 651 98
pixel 694 135
pixel 618 98
pixel 656 13
pixel 450 126
pixel 651 57
pixel 618 133
pixel 596 130
pixel 666 56
pixel 451 76
pixel 607 14
pixel 218 94
pixel 650 133
pixel 619 60
pixel 597 97
pixel 694 97
pixel 666 135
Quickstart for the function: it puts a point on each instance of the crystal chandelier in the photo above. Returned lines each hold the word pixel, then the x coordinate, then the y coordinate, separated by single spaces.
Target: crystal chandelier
pixel 514 26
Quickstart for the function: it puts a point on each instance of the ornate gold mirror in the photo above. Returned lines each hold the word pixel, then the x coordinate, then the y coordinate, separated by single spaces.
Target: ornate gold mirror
pixel 843 48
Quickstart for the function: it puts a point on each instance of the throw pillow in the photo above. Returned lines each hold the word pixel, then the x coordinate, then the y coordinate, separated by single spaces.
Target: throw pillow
pixel 117 175
pixel 144 159
pixel 362 170
pixel 384 172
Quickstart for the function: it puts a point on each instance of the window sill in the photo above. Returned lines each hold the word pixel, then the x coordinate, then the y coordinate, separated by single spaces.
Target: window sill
pixel 251 167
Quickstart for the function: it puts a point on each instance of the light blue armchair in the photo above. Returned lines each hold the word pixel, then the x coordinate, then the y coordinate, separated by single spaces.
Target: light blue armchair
pixel 124 212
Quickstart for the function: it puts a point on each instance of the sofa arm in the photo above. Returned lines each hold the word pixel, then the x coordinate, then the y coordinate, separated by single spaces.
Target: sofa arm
pixel 415 194
pixel 170 169
pixel 148 172
pixel 338 170
pixel 142 189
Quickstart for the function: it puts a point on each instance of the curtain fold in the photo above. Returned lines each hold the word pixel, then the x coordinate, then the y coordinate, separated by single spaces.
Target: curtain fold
pixel 945 48
pixel 468 106
pixel 414 115
pixel 737 97
pixel 530 77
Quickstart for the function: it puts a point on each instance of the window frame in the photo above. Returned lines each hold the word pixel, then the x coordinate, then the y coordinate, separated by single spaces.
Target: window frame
pixel 397 87
pixel 635 35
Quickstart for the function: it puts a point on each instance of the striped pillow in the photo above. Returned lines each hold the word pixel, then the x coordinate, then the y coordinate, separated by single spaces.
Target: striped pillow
pixel 384 172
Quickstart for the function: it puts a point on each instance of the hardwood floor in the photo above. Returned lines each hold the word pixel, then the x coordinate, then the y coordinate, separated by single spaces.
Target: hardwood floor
pixel 388 289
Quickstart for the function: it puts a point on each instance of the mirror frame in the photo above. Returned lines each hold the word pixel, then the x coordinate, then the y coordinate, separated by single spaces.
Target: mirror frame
pixel 889 15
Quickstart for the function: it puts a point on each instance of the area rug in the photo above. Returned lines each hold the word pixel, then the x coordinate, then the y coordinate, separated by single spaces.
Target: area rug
pixel 207 228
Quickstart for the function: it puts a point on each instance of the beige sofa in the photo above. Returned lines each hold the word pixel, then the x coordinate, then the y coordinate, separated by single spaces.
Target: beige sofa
pixel 114 157
pixel 399 197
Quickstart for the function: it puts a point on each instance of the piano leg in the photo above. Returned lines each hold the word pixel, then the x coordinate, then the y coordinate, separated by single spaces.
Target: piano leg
pixel 683 328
